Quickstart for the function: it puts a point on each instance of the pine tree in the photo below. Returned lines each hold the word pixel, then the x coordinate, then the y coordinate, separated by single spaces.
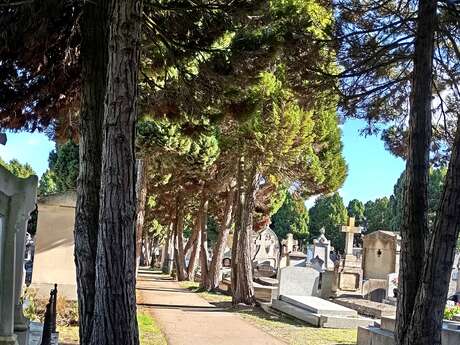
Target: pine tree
pixel 329 213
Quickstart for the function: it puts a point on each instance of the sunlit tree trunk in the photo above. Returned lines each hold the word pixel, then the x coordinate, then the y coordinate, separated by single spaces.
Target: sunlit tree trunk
pixel 242 286
pixel 194 245
pixel 218 250
pixel 169 246
pixel 179 257
pixel 204 257
pixel 141 195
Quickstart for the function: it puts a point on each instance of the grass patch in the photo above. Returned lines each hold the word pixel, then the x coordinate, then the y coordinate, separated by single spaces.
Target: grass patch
pixel 149 332
pixel 290 330
pixel 211 297
pixel 68 335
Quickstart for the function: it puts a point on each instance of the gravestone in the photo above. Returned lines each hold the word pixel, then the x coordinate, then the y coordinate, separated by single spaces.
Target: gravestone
pixel 17 201
pixel 381 254
pixel 392 285
pixel 351 274
pixel 288 245
pixel 300 281
pixel 265 253
pixel 321 251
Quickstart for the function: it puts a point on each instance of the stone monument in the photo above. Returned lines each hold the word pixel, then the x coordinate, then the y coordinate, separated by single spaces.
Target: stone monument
pixel 54 246
pixel 265 253
pixel 17 201
pixel 381 254
pixel 351 273
pixel 322 249
pixel 288 245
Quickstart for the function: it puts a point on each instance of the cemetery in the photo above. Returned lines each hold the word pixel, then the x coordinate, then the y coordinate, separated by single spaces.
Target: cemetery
pixel 229 172
pixel 357 291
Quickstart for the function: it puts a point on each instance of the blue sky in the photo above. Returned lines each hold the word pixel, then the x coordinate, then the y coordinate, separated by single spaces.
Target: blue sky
pixel 372 171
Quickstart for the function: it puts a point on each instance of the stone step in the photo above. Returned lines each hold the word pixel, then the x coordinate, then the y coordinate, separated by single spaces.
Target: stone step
pixel 318 305
pixel 374 336
pixel 388 323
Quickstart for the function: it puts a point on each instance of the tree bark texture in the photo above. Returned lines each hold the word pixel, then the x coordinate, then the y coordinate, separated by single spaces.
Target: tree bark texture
pixel 414 230
pixel 194 244
pixel 204 257
pixel 218 250
pixel 115 321
pixel 426 323
pixel 193 237
pixel 167 257
pixel 179 257
pixel 242 287
pixel 141 195
pixel 94 57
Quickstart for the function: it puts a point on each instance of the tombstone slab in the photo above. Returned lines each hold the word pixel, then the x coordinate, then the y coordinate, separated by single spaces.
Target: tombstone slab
pixel 301 281
pixel 319 306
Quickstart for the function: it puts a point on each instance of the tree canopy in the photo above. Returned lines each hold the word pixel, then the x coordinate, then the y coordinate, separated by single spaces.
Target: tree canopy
pixel 17 168
pixel 329 212
pixel 292 217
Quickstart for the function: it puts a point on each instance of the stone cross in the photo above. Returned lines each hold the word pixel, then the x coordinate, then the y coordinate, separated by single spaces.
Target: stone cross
pixel 350 230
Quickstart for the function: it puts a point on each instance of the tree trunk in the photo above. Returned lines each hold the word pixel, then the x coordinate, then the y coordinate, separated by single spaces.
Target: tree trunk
pixel 195 245
pixel 166 260
pixel 242 287
pixel 115 321
pixel 414 230
pixel 426 323
pixel 193 237
pixel 145 257
pixel 141 195
pixel 204 257
pixel 94 57
pixel 218 251
pixel 179 256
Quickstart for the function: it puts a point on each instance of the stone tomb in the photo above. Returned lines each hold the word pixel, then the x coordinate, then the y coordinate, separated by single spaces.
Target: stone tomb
pixel 383 333
pixel 17 201
pixel 265 253
pixel 381 254
pixel 54 246
pixel 298 291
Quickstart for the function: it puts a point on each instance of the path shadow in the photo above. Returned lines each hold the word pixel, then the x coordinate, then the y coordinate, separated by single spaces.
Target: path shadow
pixel 163 290
pixel 183 307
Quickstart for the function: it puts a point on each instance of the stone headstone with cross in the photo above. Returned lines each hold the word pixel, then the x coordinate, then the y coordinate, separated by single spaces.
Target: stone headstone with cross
pixel 350 230
pixel 17 201
pixel 350 273
pixel 265 253
pixel 321 251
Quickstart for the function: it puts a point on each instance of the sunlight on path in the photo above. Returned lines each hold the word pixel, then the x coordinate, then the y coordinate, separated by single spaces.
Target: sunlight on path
pixel 185 318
